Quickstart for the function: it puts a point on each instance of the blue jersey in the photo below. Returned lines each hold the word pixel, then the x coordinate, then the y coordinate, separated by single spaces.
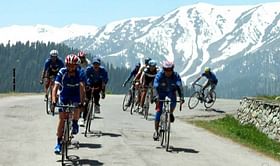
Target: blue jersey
pixel 51 67
pixel 83 73
pixel 70 85
pixel 165 84
pixel 211 77
pixel 96 77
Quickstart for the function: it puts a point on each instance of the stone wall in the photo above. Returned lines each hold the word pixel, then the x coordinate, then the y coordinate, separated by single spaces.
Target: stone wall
pixel 264 115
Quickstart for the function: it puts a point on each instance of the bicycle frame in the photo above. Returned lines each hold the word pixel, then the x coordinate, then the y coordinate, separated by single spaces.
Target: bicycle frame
pixel 165 124
pixel 90 113
pixel 147 102
pixel 198 96
pixel 66 139
pixel 49 94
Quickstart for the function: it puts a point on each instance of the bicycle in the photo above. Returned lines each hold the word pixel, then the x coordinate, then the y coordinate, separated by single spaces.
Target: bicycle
pixel 165 124
pixel 131 98
pixel 67 134
pixel 208 99
pixel 90 113
pixel 49 95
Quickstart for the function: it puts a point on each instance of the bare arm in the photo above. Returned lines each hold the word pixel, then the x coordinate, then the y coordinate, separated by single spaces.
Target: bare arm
pixel 54 93
pixel 82 92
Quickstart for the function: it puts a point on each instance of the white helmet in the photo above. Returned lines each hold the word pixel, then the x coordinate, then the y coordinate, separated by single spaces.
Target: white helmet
pixel 54 53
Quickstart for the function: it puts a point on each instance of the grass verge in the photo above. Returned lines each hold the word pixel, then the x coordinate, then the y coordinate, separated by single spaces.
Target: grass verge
pixel 247 135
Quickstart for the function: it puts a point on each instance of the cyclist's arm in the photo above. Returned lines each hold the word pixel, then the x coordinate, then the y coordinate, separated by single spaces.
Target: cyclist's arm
pixel 82 92
pixel 142 78
pixel 46 68
pixel 197 79
pixel 130 76
pixel 54 92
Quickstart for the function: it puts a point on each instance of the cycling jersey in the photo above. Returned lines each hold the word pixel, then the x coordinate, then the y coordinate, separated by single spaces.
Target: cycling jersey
pixel 165 84
pixel 211 77
pixel 133 73
pixel 84 64
pixel 149 75
pixel 52 68
pixel 70 86
pixel 95 77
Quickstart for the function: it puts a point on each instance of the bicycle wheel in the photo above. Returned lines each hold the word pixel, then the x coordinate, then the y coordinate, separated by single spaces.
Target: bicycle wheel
pixel 168 127
pixel 132 102
pixel 64 152
pixel 126 98
pixel 208 103
pixel 193 100
pixel 161 133
pixel 89 115
pixel 48 101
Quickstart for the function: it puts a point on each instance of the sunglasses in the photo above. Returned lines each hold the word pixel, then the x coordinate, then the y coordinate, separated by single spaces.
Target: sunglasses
pixel 168 70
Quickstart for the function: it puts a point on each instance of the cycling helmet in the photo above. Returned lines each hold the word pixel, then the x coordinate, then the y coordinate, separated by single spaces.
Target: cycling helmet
pixel 207 69
pixel 152 63
pixel 147 60
pixel 54 53
pixel 72 59
pixel 81 54
pixel 167 65
pixel 96 60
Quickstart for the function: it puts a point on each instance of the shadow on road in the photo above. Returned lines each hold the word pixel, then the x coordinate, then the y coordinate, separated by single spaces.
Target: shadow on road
pixel 91 146
pixel 186 150
pixel 98 117
pixel 76 161
pixel 214 110
pixel 100 134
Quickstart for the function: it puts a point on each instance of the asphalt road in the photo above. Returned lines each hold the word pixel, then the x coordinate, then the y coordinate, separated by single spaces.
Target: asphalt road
pixel 28 137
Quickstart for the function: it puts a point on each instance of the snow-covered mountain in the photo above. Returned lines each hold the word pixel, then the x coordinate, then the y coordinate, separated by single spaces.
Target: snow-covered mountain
pixel 44 33
pixel 240 43
pixel 193 36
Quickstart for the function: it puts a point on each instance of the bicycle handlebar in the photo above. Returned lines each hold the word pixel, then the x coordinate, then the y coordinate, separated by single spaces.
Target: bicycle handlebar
pixel 193 85
pixel 169 101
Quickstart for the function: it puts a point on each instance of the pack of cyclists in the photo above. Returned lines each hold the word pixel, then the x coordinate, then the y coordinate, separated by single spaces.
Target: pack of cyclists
pixel 80 78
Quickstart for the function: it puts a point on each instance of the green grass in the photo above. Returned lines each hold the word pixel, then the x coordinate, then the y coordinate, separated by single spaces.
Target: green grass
pixel 247 135
pixel 266 97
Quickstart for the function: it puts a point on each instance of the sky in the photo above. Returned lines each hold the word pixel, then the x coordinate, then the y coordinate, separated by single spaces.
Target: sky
pixel 60 13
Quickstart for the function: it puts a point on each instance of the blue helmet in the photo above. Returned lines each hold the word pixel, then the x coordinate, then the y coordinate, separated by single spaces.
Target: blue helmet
pixel 152 63
pixel 96 60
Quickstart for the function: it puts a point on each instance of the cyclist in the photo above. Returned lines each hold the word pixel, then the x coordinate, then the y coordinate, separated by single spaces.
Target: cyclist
pixel 51 68
pixel 72 91
pixel 166 83
pixel 138 75
pixel 133 73
pixel 84 60
pixel 96 78
pixel 147 80
pixel 211 81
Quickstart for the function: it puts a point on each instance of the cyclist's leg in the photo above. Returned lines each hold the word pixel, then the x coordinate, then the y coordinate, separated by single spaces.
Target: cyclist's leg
pixel 213 86
pixel 157 119
pixel 76 115
pixel 172 96
pixel 47 84
pixel 205 86
pixel 59 133
pixel 88 97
